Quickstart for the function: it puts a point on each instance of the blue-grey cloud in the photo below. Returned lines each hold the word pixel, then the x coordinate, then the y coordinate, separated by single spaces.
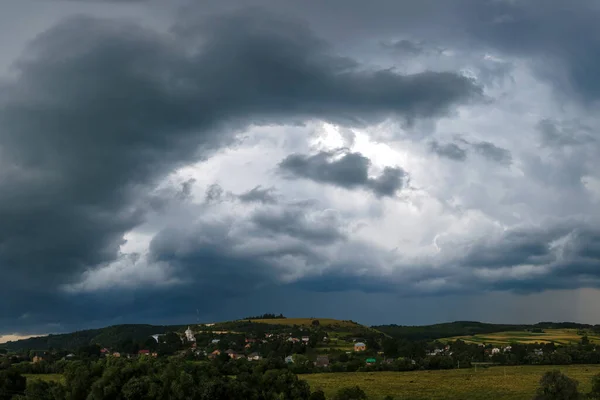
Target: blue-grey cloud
pixel 260 195
pixel 349 171
pixel 448 150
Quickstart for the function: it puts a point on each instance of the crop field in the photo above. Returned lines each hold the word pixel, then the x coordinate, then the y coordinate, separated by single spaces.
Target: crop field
pixel 498 383
pixel 326 322
pixel 558 336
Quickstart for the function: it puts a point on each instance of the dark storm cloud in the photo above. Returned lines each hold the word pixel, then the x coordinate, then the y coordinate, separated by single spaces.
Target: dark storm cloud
pixel 486 149
pixel 100 109
pixel 560 38
pixel 570 133
pixel 317 229
pixel 493 152
pixel 350 171
pixel 407 47
pixel 259 195
pixel 448 150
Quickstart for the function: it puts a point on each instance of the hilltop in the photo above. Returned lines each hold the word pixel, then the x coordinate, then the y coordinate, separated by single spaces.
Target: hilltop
pixel 340 332
pixel 105 337
pixel 465 329
pixel 115 335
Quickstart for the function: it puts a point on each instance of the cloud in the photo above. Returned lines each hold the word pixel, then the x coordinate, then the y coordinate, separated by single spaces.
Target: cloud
pixel 405 46
pixel 99 110
pixel 493 152
pixel 448 150
pixel 149 192
pixel 258 194
pixel 349 171
pixel 486 149
pixel 570 133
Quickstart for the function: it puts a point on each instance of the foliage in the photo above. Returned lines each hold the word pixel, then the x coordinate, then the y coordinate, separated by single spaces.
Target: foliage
pixel 111 336
pixel 595 391
pixel 317 395
pixel 267 316
pixel 11 383
pixel 350 393
pixel 555 385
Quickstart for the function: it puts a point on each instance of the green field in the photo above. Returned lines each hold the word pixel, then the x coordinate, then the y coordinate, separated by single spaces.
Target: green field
pixel 496 383
pixel 558 336
pixel 45 377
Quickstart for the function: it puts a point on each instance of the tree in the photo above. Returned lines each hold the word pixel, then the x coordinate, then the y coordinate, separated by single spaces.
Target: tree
pixel 11 383
pixel 585 340
pixel 38 389
pixel 595 392
pixel 555 385
pixel 317 395
pixel 350 393
pixel 315 322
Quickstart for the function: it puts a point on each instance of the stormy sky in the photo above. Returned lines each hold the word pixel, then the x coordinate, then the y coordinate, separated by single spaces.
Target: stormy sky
pixel 384 161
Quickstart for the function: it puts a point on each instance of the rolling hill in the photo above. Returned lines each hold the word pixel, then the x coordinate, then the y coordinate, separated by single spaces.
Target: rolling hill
pixel 105 337
pixel 471 328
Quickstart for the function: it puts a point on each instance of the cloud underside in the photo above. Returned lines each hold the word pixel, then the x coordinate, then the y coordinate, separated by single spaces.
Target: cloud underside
pixel 370 179
pixel 349 171
pixel 100 110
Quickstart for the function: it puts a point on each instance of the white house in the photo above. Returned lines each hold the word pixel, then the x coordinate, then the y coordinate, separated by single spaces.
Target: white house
pixel 189 335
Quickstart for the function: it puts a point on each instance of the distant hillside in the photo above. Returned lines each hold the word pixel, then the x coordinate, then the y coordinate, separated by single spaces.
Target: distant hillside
pixel 466 328
pixel 105 337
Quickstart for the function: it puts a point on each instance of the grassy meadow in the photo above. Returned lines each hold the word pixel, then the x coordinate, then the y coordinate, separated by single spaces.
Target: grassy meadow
pixel 45 377
pixel 558 336
pixel 324 322
pixel 498 383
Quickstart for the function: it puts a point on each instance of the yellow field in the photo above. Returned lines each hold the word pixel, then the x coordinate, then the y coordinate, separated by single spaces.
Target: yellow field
pixel 498 383
pixel 308 322
pixel 558 336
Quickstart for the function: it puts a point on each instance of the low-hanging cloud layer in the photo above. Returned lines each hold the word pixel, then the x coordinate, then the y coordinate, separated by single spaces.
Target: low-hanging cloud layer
pixel 156 174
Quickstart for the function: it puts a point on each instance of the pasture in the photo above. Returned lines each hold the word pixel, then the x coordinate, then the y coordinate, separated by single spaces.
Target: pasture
pixel 498 383
pixel 45 377
pixel 558 336
pixel 324 322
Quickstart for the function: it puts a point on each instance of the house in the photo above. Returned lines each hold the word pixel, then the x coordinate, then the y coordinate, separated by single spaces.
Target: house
pixel 250 340
pixel 305 339
pixel 268 335
pixel 293 340
pixel 189 335
pixel 144 352
pixel 360 346
pixel 507 349
pixel 495 350
pixel 254 356
pixel 538 352
pixel 322 361
pixel 231 353
pixel 214 354
pixel 247 346
pixel 116 354
pixel 104 352
pixel 70 356
pixel 154 354
pixel 215 341
pixel 371 361
pixel 289 360
pixel 39 358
